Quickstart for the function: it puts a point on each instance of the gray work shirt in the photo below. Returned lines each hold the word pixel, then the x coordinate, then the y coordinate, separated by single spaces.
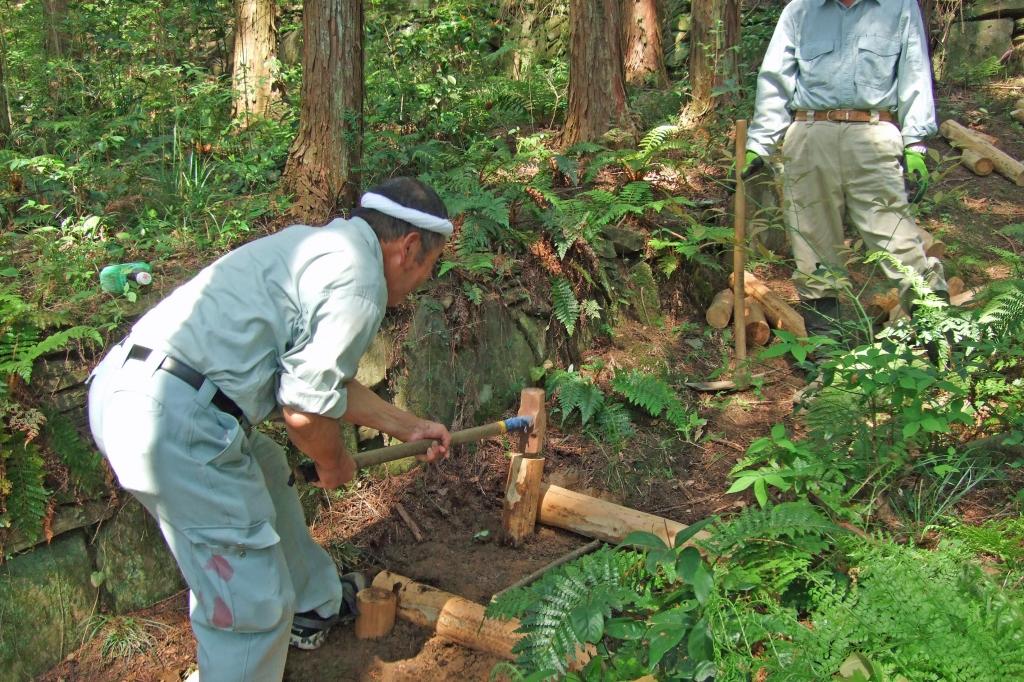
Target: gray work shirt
pixel 280 321
pixel 871 56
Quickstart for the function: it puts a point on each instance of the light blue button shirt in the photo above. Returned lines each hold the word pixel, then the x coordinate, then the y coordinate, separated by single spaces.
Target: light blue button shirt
pixel 282 320
pixel 870 56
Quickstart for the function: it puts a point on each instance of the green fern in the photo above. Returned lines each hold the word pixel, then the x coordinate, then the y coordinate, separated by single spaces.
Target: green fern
pixel 1004 313
pixel 567 608
pixel 566 307
pixel 26 503
pixel 657 398
pixel 788 521
pixel 83 461
pixel 575 392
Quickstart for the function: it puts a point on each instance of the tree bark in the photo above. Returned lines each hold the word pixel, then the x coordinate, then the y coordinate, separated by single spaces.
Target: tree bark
pixel 55 38
pixel 5 103
pixel 714 30
pixel 320 171
pixel 643 53
pixel 255 59
pixel 597 82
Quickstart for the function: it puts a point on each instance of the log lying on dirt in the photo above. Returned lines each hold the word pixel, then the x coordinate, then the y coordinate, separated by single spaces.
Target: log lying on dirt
pixel 955 286
pixel 600 519
pixel 451 617
pixel 1018 110
pixel 377 608
pixel 720 311
pixel 879 305
pixel 779 313
pixel 965 138
pixel 758 330
pixel 976 162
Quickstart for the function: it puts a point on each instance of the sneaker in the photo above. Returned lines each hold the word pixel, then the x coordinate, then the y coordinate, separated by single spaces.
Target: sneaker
pixel 309 629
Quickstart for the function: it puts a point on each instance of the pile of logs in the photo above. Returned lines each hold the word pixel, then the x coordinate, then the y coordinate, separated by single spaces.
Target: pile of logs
pixel 979 153
pixel 763 311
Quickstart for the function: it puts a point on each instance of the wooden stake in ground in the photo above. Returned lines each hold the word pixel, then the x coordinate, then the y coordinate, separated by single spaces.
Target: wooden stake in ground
pixel 377 608
pixel 965 138
pixel 739 246
pixel 451 617
pixel 779 313
pixel 720 311
pixel 526 466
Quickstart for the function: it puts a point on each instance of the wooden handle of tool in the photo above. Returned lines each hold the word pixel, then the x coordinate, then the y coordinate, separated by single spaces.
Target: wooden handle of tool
pixel 413 447
pixel 739 245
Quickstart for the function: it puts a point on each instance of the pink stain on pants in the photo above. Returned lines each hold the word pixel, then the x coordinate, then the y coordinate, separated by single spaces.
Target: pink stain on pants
pixel 220 566
pixel 222 617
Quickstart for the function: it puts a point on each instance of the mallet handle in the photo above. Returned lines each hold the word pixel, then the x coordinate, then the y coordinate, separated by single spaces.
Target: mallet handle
pixel 418 447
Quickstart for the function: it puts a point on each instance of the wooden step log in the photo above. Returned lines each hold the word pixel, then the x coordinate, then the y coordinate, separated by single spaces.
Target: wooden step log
pixel 720 311
pixel 758 330
pixel 965 138
pixel 377 609
pixel 602 520
pixel 450 616
pixel 779 313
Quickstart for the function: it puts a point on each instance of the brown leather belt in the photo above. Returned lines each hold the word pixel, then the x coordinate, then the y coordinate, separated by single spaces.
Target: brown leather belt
pixel 844 116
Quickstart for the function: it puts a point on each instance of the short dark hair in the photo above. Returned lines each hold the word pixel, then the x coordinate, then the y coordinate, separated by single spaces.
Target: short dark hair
pixel 411 193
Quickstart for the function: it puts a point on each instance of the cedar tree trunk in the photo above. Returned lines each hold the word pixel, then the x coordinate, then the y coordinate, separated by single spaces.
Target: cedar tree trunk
pixel 597 82
pixel 714 30
pixel 5 105
pixel 321 165
pixel 55 38
pixel 644 56
pixel 255 59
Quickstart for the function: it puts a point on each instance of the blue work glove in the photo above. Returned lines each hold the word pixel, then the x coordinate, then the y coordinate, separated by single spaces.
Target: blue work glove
pixel 917 172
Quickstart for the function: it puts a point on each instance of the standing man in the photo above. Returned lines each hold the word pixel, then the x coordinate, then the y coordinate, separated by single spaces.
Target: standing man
pixel 277 325
pixel 846 88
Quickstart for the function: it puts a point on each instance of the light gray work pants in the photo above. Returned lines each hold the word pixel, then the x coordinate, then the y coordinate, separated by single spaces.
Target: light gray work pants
pixel 848 172
pixel 222 500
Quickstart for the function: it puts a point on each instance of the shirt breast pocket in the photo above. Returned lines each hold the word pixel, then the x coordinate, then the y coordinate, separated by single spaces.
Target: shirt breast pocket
pixel 876 62
pixel 814 62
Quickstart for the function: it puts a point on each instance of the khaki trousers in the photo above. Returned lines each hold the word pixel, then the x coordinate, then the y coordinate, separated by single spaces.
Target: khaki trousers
pixel 836 173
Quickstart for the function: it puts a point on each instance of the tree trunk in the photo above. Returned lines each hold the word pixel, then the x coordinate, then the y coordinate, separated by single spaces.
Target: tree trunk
pixel 320 171
pixel 255 58
pixel 597 82
pixel 714 30
pixel 5 105
pixel 523 17
pixel 55 13
pixel 644 56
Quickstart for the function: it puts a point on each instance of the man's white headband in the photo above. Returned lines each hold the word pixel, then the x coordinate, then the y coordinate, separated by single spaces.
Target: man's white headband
pixel 420 219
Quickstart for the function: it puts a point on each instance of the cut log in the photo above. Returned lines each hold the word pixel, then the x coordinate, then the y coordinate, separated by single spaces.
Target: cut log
pixel 522 495
pixel 600 519
pixel 965 138
pixel 451 617
pixel 377 608
pixel 880 304
pixel 779 313
pixel 1018 114
pixel 965 297
pixel 936 250
pixel 720 311
pixel 758 331
pixel 976 162
pixel 955 286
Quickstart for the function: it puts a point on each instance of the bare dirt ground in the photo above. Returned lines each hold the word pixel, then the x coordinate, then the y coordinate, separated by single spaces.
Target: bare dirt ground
pixel 456 500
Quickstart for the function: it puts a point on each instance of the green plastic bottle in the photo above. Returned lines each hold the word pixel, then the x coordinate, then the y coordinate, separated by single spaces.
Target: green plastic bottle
pixel 114 277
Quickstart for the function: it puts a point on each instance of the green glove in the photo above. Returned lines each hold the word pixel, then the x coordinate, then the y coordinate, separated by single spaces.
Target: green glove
pixel 917 173
pixel 753 163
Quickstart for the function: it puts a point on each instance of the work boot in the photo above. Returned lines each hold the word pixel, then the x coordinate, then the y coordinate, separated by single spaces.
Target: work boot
pixel 821 316
pixel 309 628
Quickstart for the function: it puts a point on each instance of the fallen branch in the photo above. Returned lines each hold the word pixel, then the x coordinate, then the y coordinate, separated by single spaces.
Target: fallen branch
pixel 416 532
pixel 965 138
pixel 564 559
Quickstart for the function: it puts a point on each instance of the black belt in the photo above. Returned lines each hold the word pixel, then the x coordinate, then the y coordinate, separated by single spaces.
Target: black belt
pixel 189 376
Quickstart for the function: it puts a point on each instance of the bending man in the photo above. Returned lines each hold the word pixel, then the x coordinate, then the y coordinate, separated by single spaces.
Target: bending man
pixel 277 325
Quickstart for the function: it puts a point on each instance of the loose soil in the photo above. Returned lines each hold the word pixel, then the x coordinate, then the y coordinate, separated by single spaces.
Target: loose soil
pixel 457 503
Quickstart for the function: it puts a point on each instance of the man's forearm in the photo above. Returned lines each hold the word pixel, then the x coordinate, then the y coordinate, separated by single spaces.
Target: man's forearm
pixel 366 408
pixel 319 438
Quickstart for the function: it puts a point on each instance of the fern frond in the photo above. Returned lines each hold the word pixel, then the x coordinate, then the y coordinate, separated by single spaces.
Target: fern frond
pixel 26 503
pixel 566 307
pixel 22 364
